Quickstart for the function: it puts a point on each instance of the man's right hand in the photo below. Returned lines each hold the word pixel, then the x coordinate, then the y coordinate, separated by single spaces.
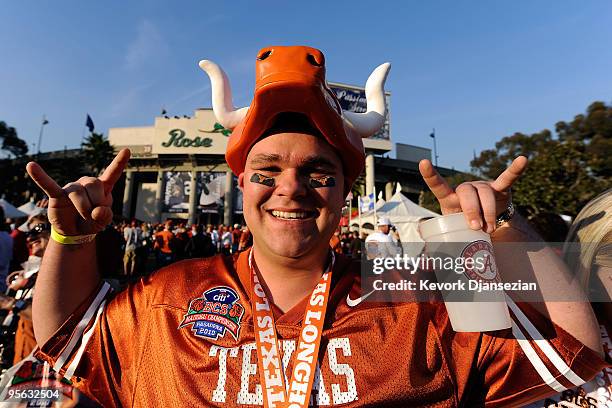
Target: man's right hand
pixel 82 207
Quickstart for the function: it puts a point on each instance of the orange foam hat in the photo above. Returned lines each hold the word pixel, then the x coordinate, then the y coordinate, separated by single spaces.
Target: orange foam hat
pixel 292 79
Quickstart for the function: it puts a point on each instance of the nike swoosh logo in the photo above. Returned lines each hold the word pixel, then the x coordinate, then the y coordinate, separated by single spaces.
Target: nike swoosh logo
pixel 355 302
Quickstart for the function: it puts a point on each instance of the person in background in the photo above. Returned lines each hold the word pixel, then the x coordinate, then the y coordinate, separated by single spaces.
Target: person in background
pixel 110 242
pixel 226 241
pixel 355 246
pixel 143 249
pixel 220 230
pixel 214 236
pixel 199 244
pixel 132 237
pixel 592 265
pixel 236 233
pixel 164 243
pixel 346 242
pixel 38 228
pixel 181 238
pixel 381 243
pixel 6 250
pixel 27 370
pixel 20 248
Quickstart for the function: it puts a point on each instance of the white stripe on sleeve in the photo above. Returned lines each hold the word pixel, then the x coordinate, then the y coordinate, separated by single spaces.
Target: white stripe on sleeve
pixel 77 357
pixel 535 360
pixel 80 328
pixel 544 345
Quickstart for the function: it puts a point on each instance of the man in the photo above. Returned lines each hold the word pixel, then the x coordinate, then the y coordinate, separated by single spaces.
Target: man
pixel 37 234
pixel 164 244
pixel 219 331
pixel 380 243
pixel 236 234
pixel 355 245
pixel 214 236
pixel 20 248
pixel 226 240
pixel 133 240
pixel 199 244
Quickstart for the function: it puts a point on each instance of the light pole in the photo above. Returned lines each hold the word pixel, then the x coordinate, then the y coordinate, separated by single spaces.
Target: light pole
pixel 42 126
pixel 433 136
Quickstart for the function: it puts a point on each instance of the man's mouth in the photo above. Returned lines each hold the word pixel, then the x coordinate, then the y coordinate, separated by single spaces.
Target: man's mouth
pixel 293 215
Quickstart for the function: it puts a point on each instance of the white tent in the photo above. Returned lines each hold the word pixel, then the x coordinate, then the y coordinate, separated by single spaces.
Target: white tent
pixel 30 208
pixel 404 215
pixel 10 211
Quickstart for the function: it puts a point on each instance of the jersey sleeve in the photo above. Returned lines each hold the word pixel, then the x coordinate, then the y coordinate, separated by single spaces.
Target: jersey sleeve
pixel 99 345
pixel 533 360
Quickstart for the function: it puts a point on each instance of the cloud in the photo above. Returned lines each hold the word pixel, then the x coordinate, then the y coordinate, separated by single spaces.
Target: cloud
pixel 201 91
pixel 148 44
pixel 127 101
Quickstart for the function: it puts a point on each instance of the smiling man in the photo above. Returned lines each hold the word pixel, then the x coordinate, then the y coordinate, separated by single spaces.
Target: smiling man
pixel 285 324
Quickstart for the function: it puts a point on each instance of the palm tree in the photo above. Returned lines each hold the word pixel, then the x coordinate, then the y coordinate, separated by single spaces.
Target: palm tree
pixel 97 151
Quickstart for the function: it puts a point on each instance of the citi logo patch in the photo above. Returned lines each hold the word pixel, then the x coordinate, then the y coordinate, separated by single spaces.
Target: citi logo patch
pixel 215 313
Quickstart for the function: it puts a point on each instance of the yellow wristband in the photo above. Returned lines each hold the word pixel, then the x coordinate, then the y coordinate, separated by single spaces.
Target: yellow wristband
pixel 71 240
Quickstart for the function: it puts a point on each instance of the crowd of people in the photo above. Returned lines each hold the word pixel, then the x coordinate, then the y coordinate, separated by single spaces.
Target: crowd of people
pixel 139 248
pixel 147 247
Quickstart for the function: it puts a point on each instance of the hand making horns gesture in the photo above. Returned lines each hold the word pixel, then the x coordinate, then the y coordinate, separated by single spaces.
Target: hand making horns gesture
pixel 82 207
pixel 480 201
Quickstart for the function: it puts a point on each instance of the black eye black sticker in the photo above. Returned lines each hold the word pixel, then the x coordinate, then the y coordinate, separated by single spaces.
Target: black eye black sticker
pixel 261 179
pixel 326 181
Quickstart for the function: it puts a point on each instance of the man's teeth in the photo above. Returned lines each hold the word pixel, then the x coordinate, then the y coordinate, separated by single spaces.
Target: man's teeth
pixel 289 215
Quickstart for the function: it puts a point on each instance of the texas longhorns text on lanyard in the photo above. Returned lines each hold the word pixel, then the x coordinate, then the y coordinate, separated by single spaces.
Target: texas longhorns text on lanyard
pixel 271 373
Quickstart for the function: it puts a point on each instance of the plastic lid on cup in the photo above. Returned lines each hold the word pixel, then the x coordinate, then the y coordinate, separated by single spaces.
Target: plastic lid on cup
pixel 442 225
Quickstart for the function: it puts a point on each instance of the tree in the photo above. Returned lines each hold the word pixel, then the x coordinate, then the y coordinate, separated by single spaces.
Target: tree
pixel 11 143
pixel 593 132
pixel 97 151
pixel 565 171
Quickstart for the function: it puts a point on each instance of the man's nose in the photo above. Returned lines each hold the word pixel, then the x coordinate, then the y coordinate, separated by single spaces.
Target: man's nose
pixel 291 184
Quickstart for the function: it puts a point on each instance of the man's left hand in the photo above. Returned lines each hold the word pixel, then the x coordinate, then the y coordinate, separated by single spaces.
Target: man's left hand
pixel 480 201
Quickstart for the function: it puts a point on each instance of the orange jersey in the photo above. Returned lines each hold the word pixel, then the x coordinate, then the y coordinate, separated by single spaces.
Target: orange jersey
pixel 184 337
pixel 164 239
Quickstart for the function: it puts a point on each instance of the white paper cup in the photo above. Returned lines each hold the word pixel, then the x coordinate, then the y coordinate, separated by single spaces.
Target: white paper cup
pixel 474 314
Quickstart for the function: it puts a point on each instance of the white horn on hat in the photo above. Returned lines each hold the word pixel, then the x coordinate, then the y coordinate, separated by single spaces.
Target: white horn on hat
pixel 223 107
pixel 370 122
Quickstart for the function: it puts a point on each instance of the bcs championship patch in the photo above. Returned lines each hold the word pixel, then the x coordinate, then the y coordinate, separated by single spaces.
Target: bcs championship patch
pixel 216 312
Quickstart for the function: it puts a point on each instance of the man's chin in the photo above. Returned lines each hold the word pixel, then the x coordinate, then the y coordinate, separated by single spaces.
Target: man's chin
pixel 293 251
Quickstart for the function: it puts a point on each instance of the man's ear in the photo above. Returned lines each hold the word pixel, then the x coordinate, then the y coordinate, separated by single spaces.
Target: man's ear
pixel 241 181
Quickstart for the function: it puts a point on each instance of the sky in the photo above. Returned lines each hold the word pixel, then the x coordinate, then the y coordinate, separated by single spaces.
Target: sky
pixel 475 71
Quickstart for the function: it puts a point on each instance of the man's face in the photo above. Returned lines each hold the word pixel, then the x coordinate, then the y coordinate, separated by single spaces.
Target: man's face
pixel 295 215
pixel 37 240
pixel 384 229
pixel 38 245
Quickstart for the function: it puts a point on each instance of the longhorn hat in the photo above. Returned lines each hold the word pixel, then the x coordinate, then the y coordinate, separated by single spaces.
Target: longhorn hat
pixel 292 79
